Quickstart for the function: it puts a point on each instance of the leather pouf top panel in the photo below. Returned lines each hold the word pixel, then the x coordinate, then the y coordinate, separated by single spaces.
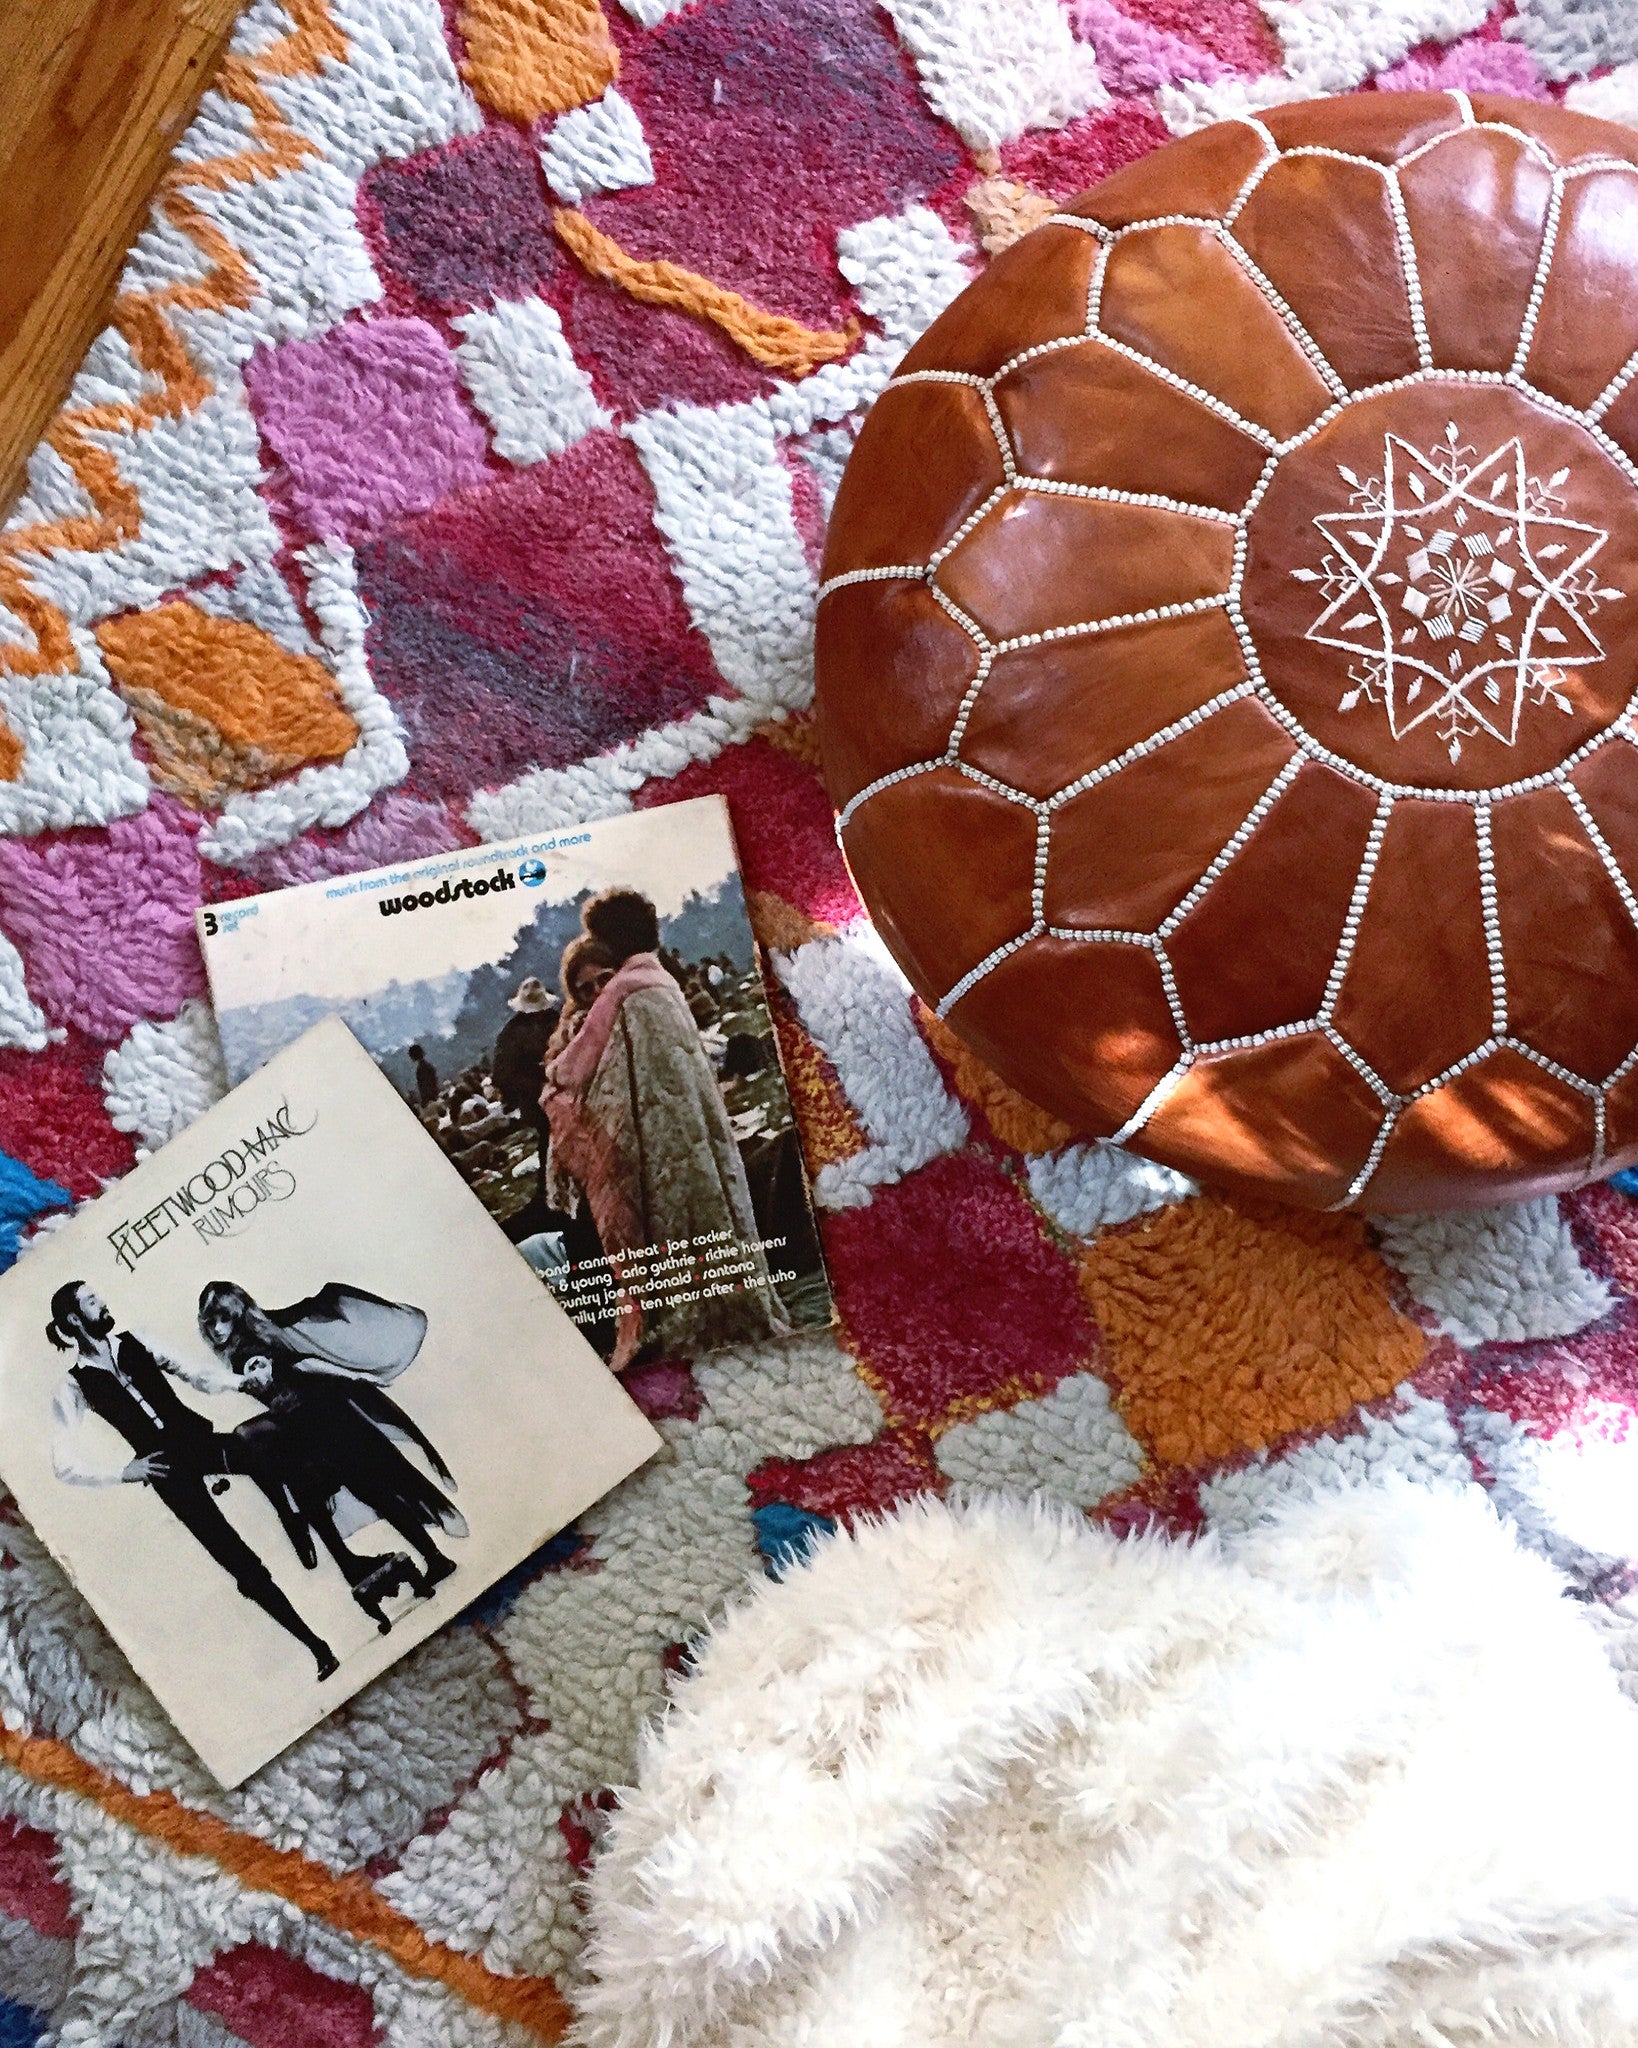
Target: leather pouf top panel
pixel 1228 649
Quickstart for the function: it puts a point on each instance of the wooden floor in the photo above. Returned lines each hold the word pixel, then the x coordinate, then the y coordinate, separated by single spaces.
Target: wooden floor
pixel 93 95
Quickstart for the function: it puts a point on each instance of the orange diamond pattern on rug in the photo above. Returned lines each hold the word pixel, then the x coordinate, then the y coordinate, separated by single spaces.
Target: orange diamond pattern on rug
pixel 1231 1327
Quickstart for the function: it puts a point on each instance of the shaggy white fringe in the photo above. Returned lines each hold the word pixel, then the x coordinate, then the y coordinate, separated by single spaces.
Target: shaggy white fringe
pixel 981 1774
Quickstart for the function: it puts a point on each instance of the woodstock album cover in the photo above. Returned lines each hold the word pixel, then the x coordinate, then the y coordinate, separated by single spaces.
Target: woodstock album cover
pixel 579 1021
pixel 284 1400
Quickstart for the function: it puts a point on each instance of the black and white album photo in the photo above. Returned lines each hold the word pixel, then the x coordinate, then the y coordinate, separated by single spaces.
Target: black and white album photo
pixel 245 1400
pixel 324 1443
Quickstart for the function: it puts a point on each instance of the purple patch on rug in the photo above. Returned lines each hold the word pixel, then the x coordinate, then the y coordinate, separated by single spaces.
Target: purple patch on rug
pixel 463 225
pixel 104 922
pixel 1470 67
pixel 531 621
pixel 396 827
pixel 1135 56
pixel 807 115
pixel 664 1389
pixel 367 423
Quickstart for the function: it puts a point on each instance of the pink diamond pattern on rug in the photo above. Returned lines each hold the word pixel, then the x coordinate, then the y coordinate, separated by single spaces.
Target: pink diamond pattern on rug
pixel 1093 147
pixel 1233 31
pixel 270 2000
pixel 750 116
pixel 786 834
pixel 533 619
pixel 1474 67
pixel 1137 56
pixel 52 1118
pixel 366 423
pixel 956 1299
pixel 866 1479
pixel 755 114
pixel 105 925
pixel 30 1887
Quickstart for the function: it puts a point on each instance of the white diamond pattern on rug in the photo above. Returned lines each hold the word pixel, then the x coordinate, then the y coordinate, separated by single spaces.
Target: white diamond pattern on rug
pixel 521 374
pixel 600 148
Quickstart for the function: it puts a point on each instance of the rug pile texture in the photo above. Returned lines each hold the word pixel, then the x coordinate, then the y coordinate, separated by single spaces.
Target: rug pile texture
pixel 456 464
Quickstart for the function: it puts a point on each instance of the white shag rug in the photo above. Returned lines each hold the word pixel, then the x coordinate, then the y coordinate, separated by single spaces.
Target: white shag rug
pixel 980 1774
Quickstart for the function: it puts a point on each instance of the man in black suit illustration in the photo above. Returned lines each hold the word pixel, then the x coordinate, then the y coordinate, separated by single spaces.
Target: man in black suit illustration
pixel 117 1380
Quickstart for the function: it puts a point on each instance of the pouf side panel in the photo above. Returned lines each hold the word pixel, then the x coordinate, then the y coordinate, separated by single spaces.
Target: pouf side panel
pixel 1291 1118
pixel 1088 415
pixel 1620 420
pixel 1115 1041
pixel 1324 235
pixel 1621 1123
pixel 1042 281
pixel 1200 174
pixel 1567 136
pixel 1607 782
pixel 1158 283
pixel 965 888
pixel 1477 208
pixel 1422 930
pixel 1587 327
pixel 1050 714
pixel 1504 1130
pixel 885 517
pixel 1110 867
pixel 1570 956
pixel 1382 126
pixel 1037 563
pixel 1238 970
pixel 896 667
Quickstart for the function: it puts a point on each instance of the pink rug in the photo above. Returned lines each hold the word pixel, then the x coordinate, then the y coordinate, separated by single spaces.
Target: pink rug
pixel 457 464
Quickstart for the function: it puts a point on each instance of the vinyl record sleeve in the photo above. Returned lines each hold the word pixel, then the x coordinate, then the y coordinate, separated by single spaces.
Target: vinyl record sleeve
pixel 285 1399
pixel 659 1188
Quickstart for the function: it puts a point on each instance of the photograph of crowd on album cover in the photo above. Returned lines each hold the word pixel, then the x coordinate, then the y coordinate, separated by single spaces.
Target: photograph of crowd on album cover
pixel 579 1020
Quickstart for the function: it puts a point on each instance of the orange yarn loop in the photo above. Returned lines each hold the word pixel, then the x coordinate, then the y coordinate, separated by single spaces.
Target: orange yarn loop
pixel 772 339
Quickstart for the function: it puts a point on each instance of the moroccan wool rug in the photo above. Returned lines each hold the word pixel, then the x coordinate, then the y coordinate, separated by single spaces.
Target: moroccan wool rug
pixel 456 464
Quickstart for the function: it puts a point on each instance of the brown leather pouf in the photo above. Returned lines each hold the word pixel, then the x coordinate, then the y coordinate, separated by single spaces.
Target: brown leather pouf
pixel 1228 650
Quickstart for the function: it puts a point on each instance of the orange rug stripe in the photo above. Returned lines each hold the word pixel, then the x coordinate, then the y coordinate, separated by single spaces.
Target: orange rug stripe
pixel 772 339
pixel 143 319
pixel 348 1902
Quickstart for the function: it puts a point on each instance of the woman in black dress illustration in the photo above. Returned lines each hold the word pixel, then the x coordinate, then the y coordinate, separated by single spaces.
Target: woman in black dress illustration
pixel 326 1449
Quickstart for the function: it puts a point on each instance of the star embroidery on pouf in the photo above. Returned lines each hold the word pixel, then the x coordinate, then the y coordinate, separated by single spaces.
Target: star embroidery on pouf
pixel 1462 589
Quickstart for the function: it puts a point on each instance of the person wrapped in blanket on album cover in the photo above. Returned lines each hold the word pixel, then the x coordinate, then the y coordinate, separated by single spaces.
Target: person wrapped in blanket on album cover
pixel 639 1129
